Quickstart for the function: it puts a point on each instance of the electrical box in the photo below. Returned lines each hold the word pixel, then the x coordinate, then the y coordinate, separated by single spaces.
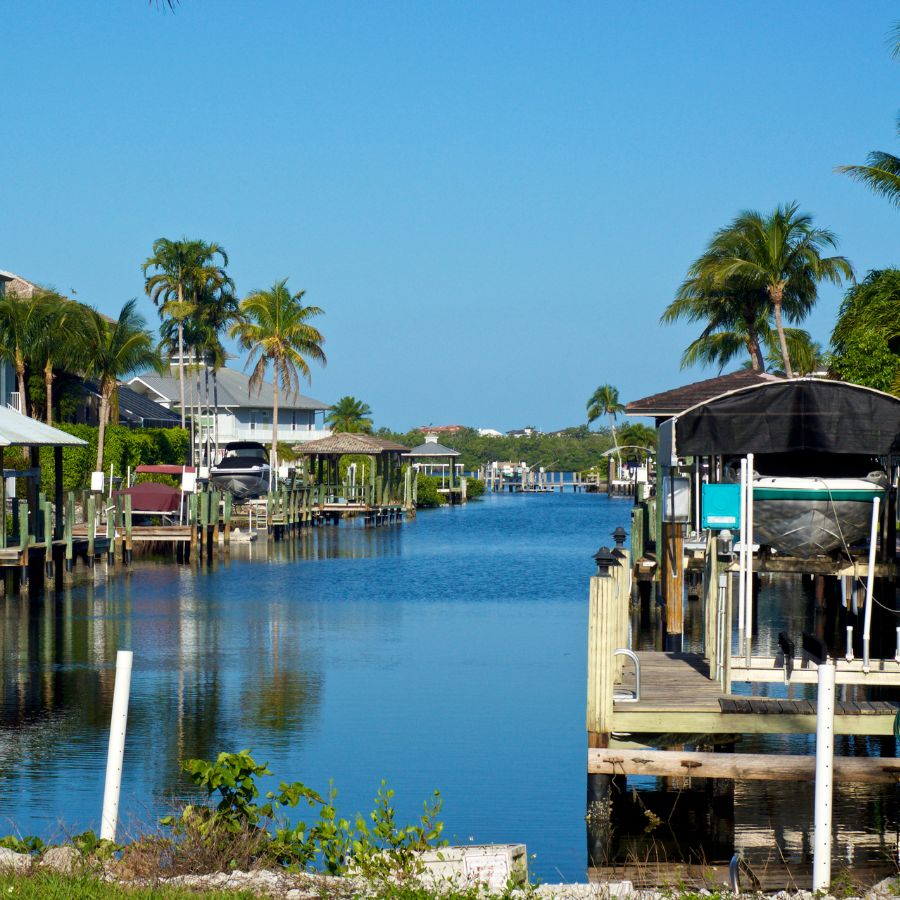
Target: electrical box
pixel 721 506
pixel 676 498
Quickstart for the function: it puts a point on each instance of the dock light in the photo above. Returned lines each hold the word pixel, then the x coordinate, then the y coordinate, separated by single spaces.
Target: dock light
pixel 619 536
pixel 605 560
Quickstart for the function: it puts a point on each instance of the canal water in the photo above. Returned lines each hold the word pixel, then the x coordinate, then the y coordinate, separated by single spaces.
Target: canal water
pixel 444 654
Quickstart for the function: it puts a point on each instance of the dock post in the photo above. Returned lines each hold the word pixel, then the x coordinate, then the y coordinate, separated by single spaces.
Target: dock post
pixel 824 777
pixel 601 644
pixel 116 753
pixel 227 502
pixel 126 516
pixel 68 525
pixel 672 557
pixel 91 522
pixel 711 604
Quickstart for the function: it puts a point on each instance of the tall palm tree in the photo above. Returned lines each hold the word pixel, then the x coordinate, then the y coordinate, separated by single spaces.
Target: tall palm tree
pixel 182 269
pixel 59 340
pixel 113 350
pixel 275 327
pixel 605 402
pixel 20 319
pixel 350 414
pixel 780 254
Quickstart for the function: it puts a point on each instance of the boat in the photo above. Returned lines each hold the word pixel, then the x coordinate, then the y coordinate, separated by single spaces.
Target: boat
pixel 243 471
pixel 827 508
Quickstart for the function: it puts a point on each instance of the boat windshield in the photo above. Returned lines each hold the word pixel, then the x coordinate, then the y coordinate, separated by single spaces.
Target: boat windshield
pixel 251 451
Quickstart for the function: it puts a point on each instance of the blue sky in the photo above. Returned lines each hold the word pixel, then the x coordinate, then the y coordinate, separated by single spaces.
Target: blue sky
pixel 493 202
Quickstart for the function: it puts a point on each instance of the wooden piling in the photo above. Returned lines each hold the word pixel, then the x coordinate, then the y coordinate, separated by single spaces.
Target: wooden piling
pixel 672 558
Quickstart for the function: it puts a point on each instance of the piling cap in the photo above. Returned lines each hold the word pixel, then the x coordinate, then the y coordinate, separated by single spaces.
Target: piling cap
pixel 619 536
pixel 605 559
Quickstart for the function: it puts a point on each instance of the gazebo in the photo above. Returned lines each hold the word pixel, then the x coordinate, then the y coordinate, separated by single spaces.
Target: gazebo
pixel 383 482
pixel 431 455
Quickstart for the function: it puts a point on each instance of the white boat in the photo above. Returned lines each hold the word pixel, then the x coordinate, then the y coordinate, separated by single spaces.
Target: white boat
pixel 808 516
pixel 243 471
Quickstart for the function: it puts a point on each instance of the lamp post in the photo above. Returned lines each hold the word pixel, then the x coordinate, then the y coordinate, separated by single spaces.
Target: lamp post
pixel 605 559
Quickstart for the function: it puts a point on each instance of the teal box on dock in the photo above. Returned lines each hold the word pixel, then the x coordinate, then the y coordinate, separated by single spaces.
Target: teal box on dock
pixel 721 505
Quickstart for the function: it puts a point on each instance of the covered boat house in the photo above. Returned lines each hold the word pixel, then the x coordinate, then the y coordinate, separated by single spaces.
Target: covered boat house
pixel 436 460
pixel 800 463
pixel 376 481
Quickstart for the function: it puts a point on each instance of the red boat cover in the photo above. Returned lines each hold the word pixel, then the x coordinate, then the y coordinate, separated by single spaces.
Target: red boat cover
pixel 163 470
pixel 152 497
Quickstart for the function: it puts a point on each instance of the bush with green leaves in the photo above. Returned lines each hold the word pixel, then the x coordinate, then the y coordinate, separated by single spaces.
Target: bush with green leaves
pixel 427 493
pixel 474 488
pixel 232 814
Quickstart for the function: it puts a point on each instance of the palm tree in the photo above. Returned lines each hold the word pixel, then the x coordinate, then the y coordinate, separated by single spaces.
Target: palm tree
pixel 735 321
pixel 780 254
pixel 605 402
pixel 19 326
pixel 183 269
pixel 350 414
pixel 112 351
pixel 59 341
pixel 881 173
pixel 275 327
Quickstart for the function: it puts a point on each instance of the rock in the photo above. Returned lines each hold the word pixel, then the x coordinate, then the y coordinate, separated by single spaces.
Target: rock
pixel 61 859
pixel 10 861
pixel 887 887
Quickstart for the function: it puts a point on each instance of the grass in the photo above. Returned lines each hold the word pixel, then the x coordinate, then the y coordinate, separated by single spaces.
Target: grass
pixel 51 886
pixel 40 885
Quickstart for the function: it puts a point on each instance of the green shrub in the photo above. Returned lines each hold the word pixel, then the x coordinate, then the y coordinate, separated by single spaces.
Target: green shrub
pixel 233 818
pixel 474 488
pixel 428 496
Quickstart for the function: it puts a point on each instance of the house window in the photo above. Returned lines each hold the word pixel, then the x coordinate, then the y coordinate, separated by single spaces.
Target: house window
pixel 260 419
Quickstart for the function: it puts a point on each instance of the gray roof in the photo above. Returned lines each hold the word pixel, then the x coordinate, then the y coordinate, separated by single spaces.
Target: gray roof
pixel 17 430
pixel 137 409
pixel 431 448
pixel 234 391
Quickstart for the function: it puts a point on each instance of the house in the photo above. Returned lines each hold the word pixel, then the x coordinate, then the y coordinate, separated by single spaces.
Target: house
pixel 135 410
pixel 441 429
pixel 489 432
pixel 243 415
pixel 10 283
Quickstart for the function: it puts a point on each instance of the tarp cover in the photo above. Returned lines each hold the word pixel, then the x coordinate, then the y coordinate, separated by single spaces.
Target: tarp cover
pixel 801 415
pixel 163 469
pixel 148 496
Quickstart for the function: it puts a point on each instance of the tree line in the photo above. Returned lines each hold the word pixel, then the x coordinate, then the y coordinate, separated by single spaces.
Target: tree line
pixel 52 341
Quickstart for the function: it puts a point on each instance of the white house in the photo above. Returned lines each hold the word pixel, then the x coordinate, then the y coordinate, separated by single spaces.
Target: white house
pixel 243 415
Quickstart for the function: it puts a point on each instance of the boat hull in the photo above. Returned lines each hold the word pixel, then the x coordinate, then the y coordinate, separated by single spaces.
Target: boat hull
pixel 808 517
pixel 241 484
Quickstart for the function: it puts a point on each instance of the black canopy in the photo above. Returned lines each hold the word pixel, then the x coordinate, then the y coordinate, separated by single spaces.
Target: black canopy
pixel 799 415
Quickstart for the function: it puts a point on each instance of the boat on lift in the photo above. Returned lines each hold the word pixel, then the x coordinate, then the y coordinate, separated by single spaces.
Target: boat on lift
pixel 244 470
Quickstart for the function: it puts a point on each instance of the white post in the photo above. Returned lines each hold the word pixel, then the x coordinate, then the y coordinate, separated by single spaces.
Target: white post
pixel 119 720
pixel 748 600
pixel 849 656
pixel 824 774
pixel 742 556
pixel 870 581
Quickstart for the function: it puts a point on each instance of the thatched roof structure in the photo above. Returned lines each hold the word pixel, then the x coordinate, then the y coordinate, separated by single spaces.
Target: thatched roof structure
pixel 343 443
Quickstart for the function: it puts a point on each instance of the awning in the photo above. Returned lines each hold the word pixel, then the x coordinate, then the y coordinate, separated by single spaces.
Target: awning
pixel 150 497
pixel 812 415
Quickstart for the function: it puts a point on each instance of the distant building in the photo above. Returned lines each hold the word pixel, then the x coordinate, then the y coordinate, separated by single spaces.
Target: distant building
pixel 489 432
pixel 522 432
pixel 441 429
pixel 243 415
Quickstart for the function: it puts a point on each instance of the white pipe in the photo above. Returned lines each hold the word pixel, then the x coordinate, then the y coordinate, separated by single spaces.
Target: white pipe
pixel 897 646
pixel 742 557
pixel 119 720
pixel 870 582
pixel 824 774
pixel 849 656
pixel 748 601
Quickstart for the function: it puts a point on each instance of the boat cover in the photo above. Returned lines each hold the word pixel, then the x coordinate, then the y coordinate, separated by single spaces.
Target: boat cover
pixel 152 497
pixel 163 469
pixel 799 415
